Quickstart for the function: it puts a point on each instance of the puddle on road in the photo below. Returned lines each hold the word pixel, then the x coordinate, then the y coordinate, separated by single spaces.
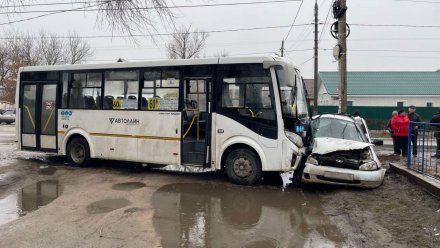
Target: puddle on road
pixel 128 186
pixel 47 170
pixel 107 205
pixel 219 215
pixel 28 199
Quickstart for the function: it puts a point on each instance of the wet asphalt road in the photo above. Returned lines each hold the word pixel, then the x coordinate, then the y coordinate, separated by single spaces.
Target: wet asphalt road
pixel 117 204
pixel 46 203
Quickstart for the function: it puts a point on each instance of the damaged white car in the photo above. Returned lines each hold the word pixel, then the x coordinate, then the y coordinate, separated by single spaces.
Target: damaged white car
pixel 342 153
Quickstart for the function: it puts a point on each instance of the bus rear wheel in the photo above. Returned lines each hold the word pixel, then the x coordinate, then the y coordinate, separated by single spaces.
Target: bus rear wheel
pixel 243 167
pixel 78 151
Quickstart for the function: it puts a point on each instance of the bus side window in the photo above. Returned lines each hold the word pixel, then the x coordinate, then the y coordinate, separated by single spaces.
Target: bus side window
pixel 160 90
pixel 246 92
pixel 85 91
pixel 65 89
pixel 121 87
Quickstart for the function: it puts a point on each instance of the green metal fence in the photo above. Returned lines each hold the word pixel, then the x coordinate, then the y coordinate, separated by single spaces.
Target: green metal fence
pixel 377 117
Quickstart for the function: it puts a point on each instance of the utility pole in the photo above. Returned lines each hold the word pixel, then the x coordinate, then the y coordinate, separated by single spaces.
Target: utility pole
pixel 315 83
pixel 282 48
pixel 342 38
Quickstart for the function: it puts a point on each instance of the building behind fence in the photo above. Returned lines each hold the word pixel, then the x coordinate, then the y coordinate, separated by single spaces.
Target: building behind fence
pixel 378 117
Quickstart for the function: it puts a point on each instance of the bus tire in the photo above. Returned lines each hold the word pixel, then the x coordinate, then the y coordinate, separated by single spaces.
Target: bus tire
pixel 243 167
pixel 78 151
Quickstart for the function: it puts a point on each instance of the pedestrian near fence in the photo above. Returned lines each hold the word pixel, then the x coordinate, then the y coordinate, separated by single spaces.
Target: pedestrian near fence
pixel 436 120
pixel 390 130
pixel 414 117
pixel 400 125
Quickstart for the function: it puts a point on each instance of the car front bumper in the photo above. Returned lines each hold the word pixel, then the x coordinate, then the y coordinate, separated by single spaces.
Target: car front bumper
pixel 339 176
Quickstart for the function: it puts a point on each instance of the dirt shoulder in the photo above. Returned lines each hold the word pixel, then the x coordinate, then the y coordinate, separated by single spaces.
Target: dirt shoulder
pixel 396 214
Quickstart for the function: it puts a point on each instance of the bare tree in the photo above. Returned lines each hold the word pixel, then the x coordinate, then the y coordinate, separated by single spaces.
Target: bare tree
pixel 79 49
pixel 222 54
pixel 128 16
pixel 52 49
pixel 124 16
pixel 24 49
pixel 4 69
pixel 9 63
pixel 186 44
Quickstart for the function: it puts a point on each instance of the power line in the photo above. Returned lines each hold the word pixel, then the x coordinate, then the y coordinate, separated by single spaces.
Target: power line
pixel 39 16
pixel 417 1
pixel 394 25
pixel 142 59
pixel 393 50
pixel 149 8
pixel 389 56
pixel 306 31
pixel 44 4
pixel 158 34
pixel 388 50
pixel 294 20
pixel 326 19
pixel 306 61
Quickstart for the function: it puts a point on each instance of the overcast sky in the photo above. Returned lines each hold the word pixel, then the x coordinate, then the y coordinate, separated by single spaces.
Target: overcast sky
pixel 412 48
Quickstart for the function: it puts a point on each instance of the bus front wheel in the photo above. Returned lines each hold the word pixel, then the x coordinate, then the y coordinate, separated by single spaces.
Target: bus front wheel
pixel 78 151
pixel 243 167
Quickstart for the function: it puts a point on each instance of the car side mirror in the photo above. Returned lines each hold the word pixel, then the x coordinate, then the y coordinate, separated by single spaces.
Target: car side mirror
pixel 377 142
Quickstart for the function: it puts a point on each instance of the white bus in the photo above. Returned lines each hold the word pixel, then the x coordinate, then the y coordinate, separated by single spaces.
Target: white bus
pixel 233 114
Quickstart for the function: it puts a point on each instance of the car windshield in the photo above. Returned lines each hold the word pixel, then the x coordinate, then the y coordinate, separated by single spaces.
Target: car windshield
pixel 336 128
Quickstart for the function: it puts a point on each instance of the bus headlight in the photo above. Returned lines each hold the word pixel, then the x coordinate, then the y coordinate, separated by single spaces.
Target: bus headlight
pixel 369 166
pixel 312 160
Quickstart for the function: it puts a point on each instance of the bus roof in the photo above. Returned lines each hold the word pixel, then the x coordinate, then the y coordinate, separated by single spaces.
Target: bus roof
pixel 140 64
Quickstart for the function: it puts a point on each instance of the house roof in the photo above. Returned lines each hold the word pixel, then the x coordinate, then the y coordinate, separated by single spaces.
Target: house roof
pixel 309 83
pixel 385 82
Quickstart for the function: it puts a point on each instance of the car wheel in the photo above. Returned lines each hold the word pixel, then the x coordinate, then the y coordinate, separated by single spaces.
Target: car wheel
pixel 243 167
pixel 78 151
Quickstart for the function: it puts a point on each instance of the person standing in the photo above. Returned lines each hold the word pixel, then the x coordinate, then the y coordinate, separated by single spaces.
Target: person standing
pixel 400 125
pixel 436 120
pixel 414 117
pixel 390 130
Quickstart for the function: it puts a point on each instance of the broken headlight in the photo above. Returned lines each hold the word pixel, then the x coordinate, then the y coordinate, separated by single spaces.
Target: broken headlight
pixel 368 166
pixel 312 160
pixel 295 138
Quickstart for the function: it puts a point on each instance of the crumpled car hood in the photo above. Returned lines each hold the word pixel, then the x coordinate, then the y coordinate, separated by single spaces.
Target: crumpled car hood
pixel 323 146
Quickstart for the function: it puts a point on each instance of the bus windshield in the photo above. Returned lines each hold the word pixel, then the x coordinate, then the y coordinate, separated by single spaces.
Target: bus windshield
pixel 292 94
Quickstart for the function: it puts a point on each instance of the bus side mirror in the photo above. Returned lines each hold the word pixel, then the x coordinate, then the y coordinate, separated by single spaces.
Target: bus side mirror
pixel 377 142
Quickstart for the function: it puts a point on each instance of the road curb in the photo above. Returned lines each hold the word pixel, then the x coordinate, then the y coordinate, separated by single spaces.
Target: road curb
pixel 431 185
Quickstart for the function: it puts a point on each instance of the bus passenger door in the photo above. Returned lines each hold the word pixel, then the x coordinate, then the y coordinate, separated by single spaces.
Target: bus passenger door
pixel 196 121
pixel 39 117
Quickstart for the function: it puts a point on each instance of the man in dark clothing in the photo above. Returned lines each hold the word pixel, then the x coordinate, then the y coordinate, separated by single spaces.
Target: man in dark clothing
pixel 436 120
pixel 391 131
pixel 414 117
